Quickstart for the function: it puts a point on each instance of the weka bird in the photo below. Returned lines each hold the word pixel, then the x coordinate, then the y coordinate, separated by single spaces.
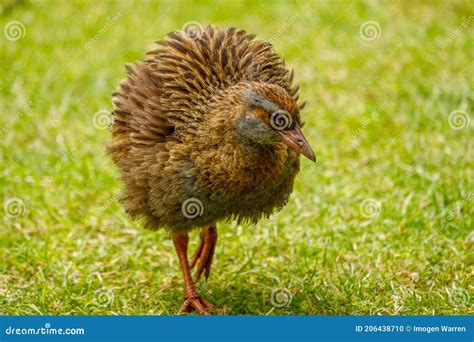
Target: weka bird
pixel 206 128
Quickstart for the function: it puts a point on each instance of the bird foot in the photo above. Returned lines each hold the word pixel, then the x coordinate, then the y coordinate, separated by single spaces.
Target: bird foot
pixel 199 304
pixel 204 253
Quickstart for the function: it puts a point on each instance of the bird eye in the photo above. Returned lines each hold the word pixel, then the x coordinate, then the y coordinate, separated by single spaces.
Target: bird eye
pixel 281 120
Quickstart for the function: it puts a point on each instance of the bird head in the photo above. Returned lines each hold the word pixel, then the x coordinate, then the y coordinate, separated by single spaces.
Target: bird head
pixel 270 116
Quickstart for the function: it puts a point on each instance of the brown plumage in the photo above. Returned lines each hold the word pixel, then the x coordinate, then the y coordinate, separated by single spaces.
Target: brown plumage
pixel 205 129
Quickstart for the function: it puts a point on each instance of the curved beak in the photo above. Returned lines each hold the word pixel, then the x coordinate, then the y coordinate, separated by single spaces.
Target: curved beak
pixel 295 139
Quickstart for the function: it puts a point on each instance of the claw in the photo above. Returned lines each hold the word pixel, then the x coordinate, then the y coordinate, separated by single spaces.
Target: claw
pixel 195 302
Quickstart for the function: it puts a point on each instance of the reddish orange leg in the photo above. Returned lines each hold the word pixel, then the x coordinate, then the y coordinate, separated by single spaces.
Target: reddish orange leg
pixel 192 297
pixel 204 252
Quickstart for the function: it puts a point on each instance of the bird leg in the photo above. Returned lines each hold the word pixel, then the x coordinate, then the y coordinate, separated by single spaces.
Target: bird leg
pixel 192 299
pixel 204 252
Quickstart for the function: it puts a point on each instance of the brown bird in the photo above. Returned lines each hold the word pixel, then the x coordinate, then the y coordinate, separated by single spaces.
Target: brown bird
pixel 206 128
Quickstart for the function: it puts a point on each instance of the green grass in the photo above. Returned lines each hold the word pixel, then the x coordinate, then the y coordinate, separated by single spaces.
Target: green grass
pixel 414 257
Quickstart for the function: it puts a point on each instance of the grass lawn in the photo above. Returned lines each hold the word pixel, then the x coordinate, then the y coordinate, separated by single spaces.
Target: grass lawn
pixel 381 224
